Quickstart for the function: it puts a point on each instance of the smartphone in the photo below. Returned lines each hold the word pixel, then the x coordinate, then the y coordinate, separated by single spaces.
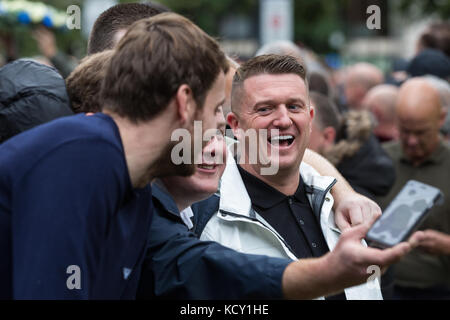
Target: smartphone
pixel 404 214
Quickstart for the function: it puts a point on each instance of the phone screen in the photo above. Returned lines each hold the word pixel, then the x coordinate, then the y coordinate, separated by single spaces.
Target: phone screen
pixel 404 214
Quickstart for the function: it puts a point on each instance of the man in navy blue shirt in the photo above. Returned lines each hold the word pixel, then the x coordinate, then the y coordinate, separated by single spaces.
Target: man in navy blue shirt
pixel 75 200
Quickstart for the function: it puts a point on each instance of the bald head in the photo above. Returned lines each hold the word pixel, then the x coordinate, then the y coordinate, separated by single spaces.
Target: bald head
pixel 419 117
pixel 380 101
pixel 359 79
pixel 368 73
pixel 417 99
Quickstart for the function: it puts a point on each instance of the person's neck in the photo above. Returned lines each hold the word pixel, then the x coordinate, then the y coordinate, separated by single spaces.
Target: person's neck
pixel 286 181
pixel 141 148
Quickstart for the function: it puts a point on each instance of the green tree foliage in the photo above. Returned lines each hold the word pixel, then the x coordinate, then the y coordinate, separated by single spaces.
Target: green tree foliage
pixel 314 20
pixel 208 14
pixel 70 41
pixel 427 7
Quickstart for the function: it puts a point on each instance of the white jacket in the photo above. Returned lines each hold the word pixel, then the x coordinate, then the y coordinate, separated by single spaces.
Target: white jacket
pixel 238 226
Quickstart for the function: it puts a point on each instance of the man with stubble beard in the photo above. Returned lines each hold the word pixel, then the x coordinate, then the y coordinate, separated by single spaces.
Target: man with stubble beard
pixel 75 198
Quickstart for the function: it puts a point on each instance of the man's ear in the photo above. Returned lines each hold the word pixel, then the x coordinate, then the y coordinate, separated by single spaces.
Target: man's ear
pixel 185 105
pixel 329 135
pixel 233 122
pixel 311 115
pixel 312 112
pixel 443 116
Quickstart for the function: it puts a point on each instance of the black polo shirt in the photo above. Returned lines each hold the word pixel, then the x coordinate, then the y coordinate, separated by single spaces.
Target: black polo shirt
pixel 291 216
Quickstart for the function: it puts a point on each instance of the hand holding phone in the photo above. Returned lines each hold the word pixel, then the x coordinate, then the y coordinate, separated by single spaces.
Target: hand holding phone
pixel 404 214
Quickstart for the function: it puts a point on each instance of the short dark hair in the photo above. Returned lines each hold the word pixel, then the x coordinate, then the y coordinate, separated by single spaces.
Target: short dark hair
pixel 318 83
pixel 118 17
pixel 265 64
pixel 437 36
pixel 85 82
pixel 155 57
pixel 326 111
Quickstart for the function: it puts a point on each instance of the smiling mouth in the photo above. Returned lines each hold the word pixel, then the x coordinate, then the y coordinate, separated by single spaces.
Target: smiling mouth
pixel 207 168
pixel 281 141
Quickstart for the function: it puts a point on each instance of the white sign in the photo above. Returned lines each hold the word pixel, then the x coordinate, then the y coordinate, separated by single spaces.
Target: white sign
pixel 276 20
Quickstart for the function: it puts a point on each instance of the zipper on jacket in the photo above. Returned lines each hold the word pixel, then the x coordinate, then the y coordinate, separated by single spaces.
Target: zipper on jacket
pixel 254 219
pixel 224 212
pixel 321 200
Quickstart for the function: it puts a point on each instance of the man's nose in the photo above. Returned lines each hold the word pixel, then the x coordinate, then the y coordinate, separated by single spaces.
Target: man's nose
pixel 412 140
pixel 213 149
pixel 221 122
pixel 283 119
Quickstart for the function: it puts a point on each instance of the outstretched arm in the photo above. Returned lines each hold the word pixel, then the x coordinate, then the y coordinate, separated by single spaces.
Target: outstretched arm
pixel 346 266
pixel 350 207
pixel 180 266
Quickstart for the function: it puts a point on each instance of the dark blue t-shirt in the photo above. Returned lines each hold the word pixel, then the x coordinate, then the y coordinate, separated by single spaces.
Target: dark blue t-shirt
pixel 71 225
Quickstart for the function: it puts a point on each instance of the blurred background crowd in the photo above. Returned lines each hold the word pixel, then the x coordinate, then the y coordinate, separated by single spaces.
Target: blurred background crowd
pixel 333 33
pixel 331 36
pixel 357 60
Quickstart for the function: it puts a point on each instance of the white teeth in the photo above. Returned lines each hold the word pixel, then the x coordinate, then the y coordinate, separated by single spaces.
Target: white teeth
pixel 208 167
pixel 286 137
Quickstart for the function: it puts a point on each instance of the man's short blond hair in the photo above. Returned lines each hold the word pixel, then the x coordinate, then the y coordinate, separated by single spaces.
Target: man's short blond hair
pixel 84 83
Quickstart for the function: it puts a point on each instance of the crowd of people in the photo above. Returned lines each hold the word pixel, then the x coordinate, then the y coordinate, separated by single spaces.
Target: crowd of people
pixel 105 171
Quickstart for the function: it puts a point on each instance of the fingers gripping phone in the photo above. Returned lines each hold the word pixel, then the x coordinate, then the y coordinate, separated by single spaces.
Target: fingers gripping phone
pixel 404 214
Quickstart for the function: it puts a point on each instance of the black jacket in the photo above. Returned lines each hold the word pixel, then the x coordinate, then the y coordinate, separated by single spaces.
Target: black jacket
pixel 180 266
pixel 30 94
pixel 370 171
pixel 359 157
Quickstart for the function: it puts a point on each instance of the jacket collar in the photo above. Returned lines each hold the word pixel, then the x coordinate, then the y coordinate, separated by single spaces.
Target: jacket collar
pixel 165 200
pixel 265 196
pixel 233 195
pixel 313 180
pixel 235 199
